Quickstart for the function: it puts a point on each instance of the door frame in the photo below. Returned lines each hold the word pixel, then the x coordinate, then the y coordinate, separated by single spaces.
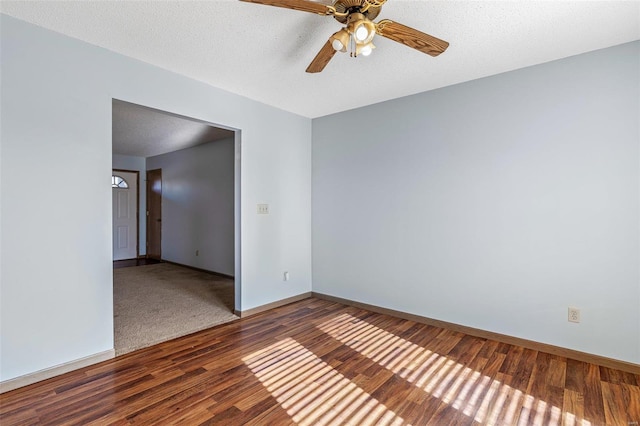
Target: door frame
pixel 149 194
pixel 137 173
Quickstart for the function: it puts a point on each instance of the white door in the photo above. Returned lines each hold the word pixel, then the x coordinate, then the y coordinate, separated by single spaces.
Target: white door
pixel 125 204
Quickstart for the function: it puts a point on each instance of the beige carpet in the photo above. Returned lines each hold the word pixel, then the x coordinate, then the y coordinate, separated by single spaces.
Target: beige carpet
pixel 155 303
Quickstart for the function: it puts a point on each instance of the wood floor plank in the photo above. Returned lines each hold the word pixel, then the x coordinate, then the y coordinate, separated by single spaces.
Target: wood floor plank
pixel 573 407
pixel 556 376
pixel 574 376
pixel 614 409
pixel 631 400
pixel 524 370
pixel 513 400
pixel 185 401
pixel 489 347
pixel 467 349
pixel 367 368
pixel 510 365
pixel 593 402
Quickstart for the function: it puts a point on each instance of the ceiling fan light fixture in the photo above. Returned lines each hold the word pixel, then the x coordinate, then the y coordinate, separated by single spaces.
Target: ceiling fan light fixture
pixel 340 40
pixel 359 29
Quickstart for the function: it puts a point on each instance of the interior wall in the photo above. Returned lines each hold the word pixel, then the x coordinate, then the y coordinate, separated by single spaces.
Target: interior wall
pixel 197 205
pixel 56 147
pixel 139 164
pixel 495 204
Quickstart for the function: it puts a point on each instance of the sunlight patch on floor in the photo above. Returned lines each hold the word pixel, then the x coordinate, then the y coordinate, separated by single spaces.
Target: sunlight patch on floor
pixel 486 400
pixel 311 391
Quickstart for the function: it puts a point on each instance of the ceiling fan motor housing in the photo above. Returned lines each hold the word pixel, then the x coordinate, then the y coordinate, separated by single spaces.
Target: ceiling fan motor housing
pixel 355 6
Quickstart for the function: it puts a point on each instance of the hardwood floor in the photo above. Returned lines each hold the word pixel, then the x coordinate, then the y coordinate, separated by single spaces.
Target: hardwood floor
pixel 316 362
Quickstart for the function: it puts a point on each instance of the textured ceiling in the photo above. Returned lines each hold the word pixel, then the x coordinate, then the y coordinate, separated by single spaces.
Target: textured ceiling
pixel 261 52
pixel 145 132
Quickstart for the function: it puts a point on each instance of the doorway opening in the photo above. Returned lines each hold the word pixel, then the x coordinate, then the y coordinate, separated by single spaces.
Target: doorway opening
pixel 187 231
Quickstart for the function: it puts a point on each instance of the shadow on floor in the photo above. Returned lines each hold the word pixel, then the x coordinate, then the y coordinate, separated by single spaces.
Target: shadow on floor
pixel 134 262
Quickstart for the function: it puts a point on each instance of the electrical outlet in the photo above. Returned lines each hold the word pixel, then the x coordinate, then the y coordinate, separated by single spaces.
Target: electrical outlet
pixel 574 315
pixel 263 208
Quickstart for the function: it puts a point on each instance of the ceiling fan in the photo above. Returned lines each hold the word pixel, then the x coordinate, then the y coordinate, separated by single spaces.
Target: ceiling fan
pixel 357 34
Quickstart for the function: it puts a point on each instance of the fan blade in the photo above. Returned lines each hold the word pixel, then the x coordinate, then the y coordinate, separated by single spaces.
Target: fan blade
pixel 302 5
pixel 322 58
pixel 411 37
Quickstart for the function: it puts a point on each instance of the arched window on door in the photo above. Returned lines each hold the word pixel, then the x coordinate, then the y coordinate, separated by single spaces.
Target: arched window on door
pixel 118 182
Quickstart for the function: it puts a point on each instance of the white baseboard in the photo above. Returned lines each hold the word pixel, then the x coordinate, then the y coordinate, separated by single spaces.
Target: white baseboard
pixel 503 338
pixel 47 373
pixel 272 305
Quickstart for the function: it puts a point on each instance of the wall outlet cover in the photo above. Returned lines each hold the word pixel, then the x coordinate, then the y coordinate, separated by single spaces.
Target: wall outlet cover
pixel 574 315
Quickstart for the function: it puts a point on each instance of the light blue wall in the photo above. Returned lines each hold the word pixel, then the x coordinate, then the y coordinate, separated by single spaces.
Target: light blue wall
pixel 139 164
pixel 197 205
pixel 495 204
pixel 56 127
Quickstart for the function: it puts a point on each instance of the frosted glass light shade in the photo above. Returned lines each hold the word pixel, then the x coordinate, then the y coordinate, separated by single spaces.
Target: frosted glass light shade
pixel 340 40
pixel 361 28
pixel 365 49
pixel 361 33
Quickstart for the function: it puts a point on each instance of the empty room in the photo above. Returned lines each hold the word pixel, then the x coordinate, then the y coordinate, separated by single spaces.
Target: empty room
pixel 432 211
